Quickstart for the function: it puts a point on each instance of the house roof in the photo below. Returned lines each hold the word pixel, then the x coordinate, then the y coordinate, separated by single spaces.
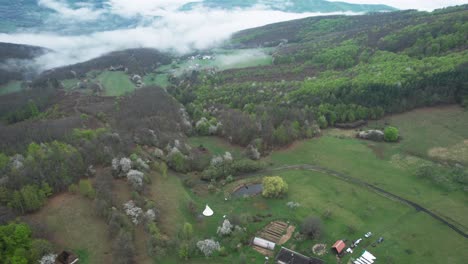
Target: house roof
pixel 288 256
pixel 339 246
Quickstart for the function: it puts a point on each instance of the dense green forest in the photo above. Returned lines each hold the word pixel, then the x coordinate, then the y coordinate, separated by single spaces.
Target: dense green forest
pixel 336 70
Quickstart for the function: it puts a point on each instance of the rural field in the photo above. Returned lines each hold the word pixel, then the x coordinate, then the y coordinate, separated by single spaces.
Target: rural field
pixel 72 223
pixel 11 87
pixel 355 210
pixel 347 209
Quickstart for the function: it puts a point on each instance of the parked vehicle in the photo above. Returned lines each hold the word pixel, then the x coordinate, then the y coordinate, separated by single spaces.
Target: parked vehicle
pixel 357 241
pixel 380 240
pixel 368 234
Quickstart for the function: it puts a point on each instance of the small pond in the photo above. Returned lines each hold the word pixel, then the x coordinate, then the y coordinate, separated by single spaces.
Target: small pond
pixel 248 190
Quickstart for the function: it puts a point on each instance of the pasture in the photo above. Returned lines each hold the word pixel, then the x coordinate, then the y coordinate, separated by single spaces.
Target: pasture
pixel 11 87
pixel 115 83
pixel 72 224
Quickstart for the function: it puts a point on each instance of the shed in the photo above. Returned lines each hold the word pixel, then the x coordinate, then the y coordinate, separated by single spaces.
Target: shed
pixel 287 256
pixel 263 243
pixel 338 246
pixel 208 211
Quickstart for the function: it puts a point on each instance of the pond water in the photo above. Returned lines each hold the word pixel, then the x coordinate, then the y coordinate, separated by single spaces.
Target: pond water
pixel 249 190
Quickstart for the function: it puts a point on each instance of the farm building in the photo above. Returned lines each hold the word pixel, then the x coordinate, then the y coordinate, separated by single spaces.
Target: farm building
pixel 338 247
pixel 287 256
pixel 263 243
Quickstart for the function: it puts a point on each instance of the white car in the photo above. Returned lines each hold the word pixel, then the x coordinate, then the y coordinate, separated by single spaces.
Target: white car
pixel 357 241
pixel 368 234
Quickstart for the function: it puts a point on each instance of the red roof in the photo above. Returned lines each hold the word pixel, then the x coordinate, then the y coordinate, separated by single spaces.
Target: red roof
pixel 339 246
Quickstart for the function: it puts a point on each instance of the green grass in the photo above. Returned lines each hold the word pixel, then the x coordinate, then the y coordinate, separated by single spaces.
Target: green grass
pixel 341 155
pixel 70 84
pixel 215 145
pixel 428 128
pixel 401 226
pixel 72 224
pixel 11 87
pixel 156 79
pixel 115 83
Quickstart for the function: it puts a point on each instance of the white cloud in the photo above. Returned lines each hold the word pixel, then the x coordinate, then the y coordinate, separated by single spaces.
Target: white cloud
pixel 427 5
pixel 84 12
pixel 133 8
pixel 176 31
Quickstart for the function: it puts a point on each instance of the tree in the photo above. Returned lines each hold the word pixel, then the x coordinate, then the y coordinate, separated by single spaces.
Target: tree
pixel 187 231
pixel 86 189
pixel 163 169
pixel 322 122
pixel 225 229
pixel 208 246
pixel 15 243
pixel 33 198
pixel 123 248
pixel 274 186
pixel 391 134
pixel 311 227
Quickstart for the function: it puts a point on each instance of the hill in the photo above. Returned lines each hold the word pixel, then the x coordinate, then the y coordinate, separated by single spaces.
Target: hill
pixel 297 6
pixel 131 147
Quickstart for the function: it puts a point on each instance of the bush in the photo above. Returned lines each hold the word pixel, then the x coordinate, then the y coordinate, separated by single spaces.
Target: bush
pixel 208 246
pixel 311 227
pixel 86 189
pixel 274 186
pixel 391 134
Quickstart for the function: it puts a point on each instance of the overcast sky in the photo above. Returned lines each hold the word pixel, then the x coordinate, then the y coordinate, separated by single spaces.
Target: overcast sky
pixel 411 4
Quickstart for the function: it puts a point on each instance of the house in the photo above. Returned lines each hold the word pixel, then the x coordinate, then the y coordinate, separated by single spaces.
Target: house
pixel 338 247
pixel 66 257
pixel 287 256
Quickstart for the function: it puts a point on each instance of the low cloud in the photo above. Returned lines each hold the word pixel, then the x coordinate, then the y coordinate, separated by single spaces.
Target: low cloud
pixel 173 30
pixel 83 11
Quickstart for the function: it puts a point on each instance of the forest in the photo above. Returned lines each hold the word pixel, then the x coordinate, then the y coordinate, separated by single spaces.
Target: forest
pixel 61 133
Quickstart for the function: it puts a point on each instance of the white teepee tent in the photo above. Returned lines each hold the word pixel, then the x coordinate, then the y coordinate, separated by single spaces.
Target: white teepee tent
pixel 207 211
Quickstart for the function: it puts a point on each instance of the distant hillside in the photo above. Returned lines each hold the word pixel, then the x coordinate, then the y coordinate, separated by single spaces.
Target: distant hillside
pixel 11 56
pixel 296 6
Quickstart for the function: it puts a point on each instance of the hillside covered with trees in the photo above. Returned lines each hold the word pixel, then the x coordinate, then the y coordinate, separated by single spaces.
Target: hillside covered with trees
pixel 140 141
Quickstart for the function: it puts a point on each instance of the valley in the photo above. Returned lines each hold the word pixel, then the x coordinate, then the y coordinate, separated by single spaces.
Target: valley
pixel 325 137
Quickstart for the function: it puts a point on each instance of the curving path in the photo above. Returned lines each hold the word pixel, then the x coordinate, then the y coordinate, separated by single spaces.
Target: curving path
pixel 347 178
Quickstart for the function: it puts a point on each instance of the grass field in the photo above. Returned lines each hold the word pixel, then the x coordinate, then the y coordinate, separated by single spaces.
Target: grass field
pixel 215 145
pixel 401 226
pixel 410 236
pixel 11 87
pixel 160 80
pixel 389 166
pixel 115 83
pixel 72 223
pixel 70 84
pixel 424 131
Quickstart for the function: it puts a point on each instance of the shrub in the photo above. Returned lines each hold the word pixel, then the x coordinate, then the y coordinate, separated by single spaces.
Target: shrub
pixel 225 229
pixel 86 189
pixel 208 246
pixel 311 227
pixel 187 231
pixel 391 134
pixel 274 186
